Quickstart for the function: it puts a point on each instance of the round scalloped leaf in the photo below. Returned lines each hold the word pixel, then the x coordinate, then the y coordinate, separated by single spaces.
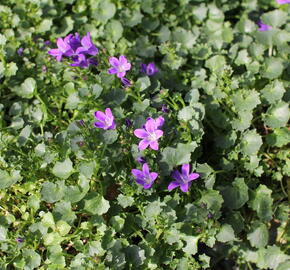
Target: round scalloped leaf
pixel 273 92
pixel 273 68
pixel 251 142
pixel 277 115
pixel 63 169
pixel 262 203
pixel 259 235
pixel 275 18
pixel 226 234
pixel 95 204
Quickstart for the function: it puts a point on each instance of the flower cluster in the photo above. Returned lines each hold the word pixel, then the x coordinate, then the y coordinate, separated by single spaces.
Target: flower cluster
pixel 80 51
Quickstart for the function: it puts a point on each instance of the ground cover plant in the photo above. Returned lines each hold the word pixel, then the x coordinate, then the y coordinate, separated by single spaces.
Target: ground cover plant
pixel 144 134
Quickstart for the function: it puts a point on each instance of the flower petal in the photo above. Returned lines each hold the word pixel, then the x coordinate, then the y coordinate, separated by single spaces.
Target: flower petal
pixel 54 52
pixel 159 122
pixel 150 125
pixel 193 176
pixel 112 70
pixel 153 176
pixel 154 145
pixel 100 116
pixel 114 61
pixel 176 175
pixel 147 186
pixel 113 126
pixel 185 170
pixel 145 169
pixel 184 187
pixel 100 125
pixel 140 133
pixel 173 185
pixel 123 60
pixel 121 74
pixel 137 173
pixel 158 133
pixel 108 112
pixel 143 144
pixel 126 66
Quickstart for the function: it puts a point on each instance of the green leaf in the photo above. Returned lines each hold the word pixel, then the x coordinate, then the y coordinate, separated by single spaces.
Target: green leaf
pixel 52 239
pixel 216 63
pixel 277 115
pixel 192 96
pixel 114 30
pixel 273 68
pixel 62 227
pixel 125 201
pixel 226 234
pixel 275 18
pixel 279 137
pixel 62 211
pixel 259 235
pixel 237 195
pixel 63 169
pixel 108 136
pixel 185 37
pixel 273 92
pixel 251 142
pixel 24 135
pixel 32 259
pixel 3 233
pixel 213 201
pixel 51 192
pixel 142 83
pixel 153 209
pixel 95 204
pixel 9 179
pixel 172 157
pixel 26 89
pixel 44 26
pixel 271 257
pixel 245 100
pixel 135 255
pixel 262 203
pixel 191 244
pixel 186 113
pixel 105 11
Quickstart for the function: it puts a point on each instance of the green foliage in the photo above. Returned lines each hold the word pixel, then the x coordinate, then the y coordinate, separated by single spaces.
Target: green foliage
pixel 68 197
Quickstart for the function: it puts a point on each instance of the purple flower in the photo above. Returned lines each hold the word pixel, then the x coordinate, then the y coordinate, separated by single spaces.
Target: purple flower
pixel 183 179
pixel 164 108
pixel 141 160
pixel 150 133
pixel 119 66
pixel 125 82
pixel 105 120
pixel 47 43
pixel 20 51
pixel 87 46
pixel 149 69
pixel 43 68
pixel 81 123
pixel 83 62
pixel 281 2
pixel 144 177
pixel 128 122
pixel 64 49
pixel 19 240
pixel 263 27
